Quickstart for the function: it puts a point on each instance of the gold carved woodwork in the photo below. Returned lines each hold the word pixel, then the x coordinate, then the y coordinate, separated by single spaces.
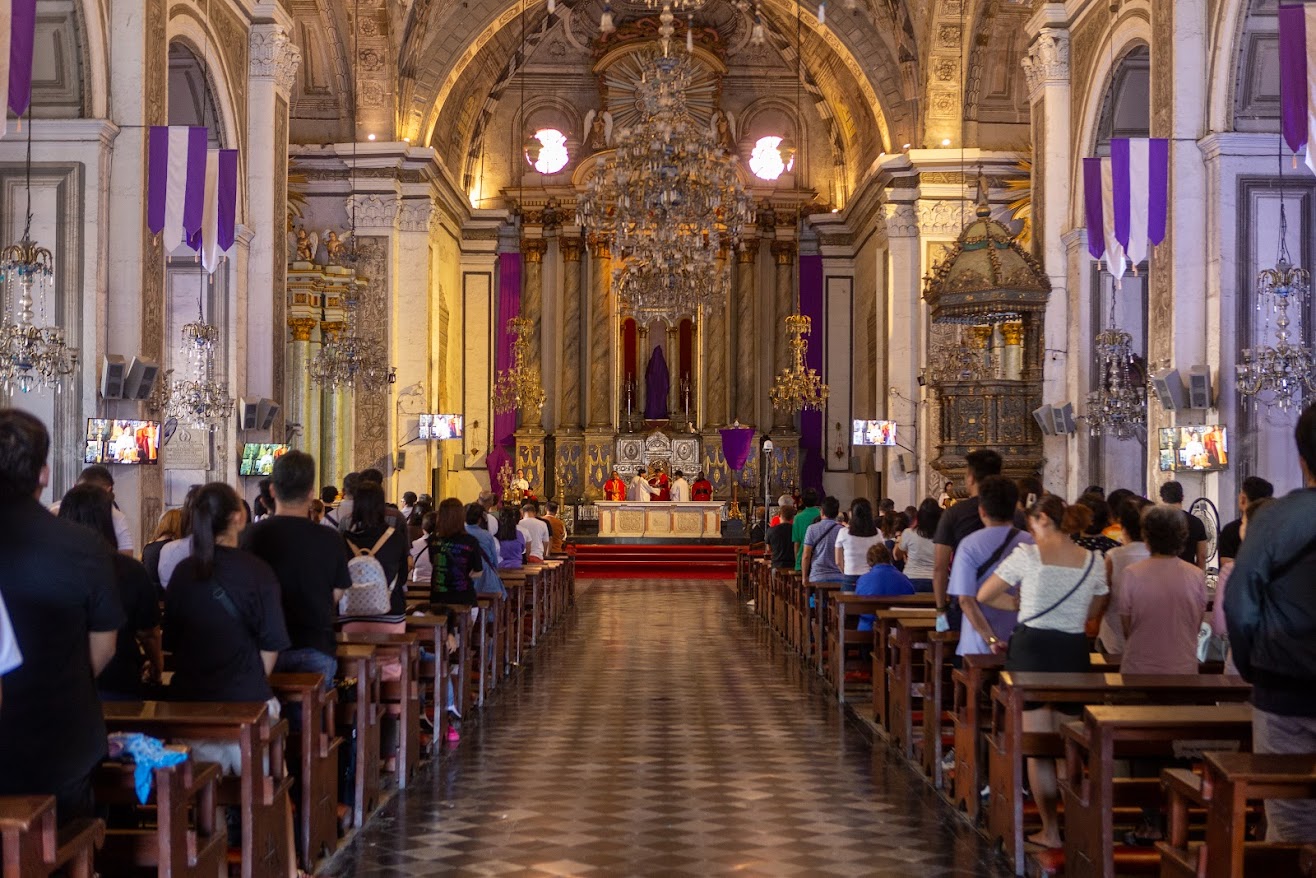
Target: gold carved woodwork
pixel 1013 333
pixel 301 327
pixel 748 252
pixel 783 252
pixel 980 337
pixel 331 328
pixel 534 249
pixel 570 248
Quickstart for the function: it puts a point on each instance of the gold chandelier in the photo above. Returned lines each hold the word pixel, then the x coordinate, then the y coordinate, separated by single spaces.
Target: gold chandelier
pixel 520 387
pixel 798 387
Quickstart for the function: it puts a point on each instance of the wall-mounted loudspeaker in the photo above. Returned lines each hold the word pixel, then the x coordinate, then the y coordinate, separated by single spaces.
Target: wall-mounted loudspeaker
pixel 113 371
pixel 1064 418
pixel 907 463
pixel 141 379
pixel 399 459
pixel 1199 387
pixel 1169 388
pixel 1046 421
pixel 248 412
pixel 266 411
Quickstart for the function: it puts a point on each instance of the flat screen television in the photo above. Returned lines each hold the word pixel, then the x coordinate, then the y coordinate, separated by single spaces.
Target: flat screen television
pixel 1194 449
pixel 874 433
pixel 258 459
pixel 441 427
pixel 120 441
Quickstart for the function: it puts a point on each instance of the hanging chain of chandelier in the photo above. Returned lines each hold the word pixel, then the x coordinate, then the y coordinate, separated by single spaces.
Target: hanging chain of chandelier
pixel 668 201
pixel 345 360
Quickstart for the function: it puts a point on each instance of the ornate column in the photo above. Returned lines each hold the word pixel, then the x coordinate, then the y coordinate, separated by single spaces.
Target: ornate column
pixel 409 332
pixel 642 354
pixel 600 434
pixel 783 255
pixel 746 331
pixel 674 401
pixel 532 299
pixel 274 59
pixel 299 385
pixel 717 358
pixel 570 444
pixel 1012 359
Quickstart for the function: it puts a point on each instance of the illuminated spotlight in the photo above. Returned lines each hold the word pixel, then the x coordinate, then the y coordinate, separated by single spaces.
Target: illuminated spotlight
pixel 370 137
pixel 945 142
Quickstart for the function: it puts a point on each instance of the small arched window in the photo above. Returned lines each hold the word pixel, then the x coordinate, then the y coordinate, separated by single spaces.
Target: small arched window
pixel 765 159
pixel 553 155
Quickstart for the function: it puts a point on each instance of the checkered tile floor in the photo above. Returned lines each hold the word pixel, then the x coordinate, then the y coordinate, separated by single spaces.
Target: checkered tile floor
pixel 663 731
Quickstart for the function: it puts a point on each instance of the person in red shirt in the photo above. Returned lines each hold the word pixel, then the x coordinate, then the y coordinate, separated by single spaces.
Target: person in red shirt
pixel 702 489
pixel 658 479
pixel 614 488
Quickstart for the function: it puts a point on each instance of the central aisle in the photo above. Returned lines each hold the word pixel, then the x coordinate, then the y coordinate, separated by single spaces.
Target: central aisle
pixel 662 731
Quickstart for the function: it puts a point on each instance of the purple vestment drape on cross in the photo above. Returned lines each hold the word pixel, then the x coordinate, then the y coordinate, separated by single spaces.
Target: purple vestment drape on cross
pixel 737 442
pixel 812 462
pixel 509 307
pixel 657 383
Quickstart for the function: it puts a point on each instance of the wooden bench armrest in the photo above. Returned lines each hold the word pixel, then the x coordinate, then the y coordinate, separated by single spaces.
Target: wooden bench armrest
pixel 22 812
pixel 1184 784
pixel 73 840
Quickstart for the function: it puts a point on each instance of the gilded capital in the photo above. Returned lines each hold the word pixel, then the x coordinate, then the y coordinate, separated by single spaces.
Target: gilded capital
pixel 302 327
pixel 783 252
pixel 980 337
pixel 534 249
pixel 599 247
pixel 570 248
pixel 331 328
pixel 1013 333
pixel 749 251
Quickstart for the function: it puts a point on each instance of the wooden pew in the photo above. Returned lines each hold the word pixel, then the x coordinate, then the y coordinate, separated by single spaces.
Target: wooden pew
pixel 359 723
pixel 260 792
pixel 400 698
pixel 1228 783
pixel 487 640
pixel 432 631
pixel 316 751
pixel 1009 746
pixel 461 616
pixel 187 841
pixel 1091 793
pixel 905 677
pixel 937 717
pixel 971 714
pixel 889 612
pixel 33 847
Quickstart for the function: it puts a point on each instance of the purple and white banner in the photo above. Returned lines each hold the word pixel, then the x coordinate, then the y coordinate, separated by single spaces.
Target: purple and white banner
pixel 18 26
pixel 192 194
pixel 1297 68
pixel 1126 201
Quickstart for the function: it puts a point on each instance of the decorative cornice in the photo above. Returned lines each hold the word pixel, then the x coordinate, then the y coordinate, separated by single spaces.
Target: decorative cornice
pixel 415 214
pixel 274 56
pixel 901 221
pixel 372 212
pixel 942 218
pixel 533 249
pixel 1047 61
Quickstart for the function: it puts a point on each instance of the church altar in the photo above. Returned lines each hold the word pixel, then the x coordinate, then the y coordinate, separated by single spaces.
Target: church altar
pixel 628 518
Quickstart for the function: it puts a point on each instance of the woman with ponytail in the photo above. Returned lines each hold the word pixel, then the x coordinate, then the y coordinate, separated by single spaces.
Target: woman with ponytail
pixel 223 616
pixel 1061 586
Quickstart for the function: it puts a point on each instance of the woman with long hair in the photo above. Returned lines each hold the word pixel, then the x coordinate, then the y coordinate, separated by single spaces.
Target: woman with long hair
pixel 169 528
pixel 1061 586
pixel 137 654
pixel 853 542
pixel 915 548
pixel 371 531
pixel 511 542
pixel 456 557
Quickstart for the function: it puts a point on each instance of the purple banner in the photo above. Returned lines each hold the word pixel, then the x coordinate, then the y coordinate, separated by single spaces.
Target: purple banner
pixel 158 178
pixel 1092 207
pixel 1122 191
pixel 194 202
pixel 1158 183
pixel 812 462
pixel 657 383
pixel 508 307
pixel 22 36
pixel 737 442
pixel 227 193
pixel 1293 75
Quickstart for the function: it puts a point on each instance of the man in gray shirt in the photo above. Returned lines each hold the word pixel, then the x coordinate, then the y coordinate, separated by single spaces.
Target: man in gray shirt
pixel 818 560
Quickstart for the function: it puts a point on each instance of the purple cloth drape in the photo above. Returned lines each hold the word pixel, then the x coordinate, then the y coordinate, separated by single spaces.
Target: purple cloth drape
pixel 194 202
pixel 227 192
pixel 812 462
pixel 22 37
pixel 1293 74
pixel 1092 207
pixel 657 383
pixel 509 307
pixel 1120 182
pixel 158 178
pixel 737 442
pixel 1158 202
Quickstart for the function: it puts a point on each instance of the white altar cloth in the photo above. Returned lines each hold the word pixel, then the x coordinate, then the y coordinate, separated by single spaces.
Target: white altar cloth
pixel 656 518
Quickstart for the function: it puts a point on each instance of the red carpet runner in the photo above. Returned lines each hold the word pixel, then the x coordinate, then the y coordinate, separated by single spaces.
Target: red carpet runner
pixel 660 561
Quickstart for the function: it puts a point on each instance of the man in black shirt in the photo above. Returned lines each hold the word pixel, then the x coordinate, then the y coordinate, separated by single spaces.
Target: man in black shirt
pixel 1194 551
pixel 310 562
pixel 58 585
pixel 780 542
pixel 1254 488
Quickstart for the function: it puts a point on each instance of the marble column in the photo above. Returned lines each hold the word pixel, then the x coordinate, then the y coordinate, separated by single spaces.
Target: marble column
pixel 409 345
pixel 600 433
pixel 335 452
pixel 746 335
pixel 783 254
pixel 642 354
pixel 717 358
pixel 1012 360
pixel 299 385
pixel 674 401
pixel 569 443
pixel 532 307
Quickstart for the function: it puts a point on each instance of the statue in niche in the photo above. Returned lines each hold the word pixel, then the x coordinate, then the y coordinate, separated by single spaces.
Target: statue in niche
pixel 724 130
pixel 333 248
pixel 305 245
pixel 657 383
pixel 598 129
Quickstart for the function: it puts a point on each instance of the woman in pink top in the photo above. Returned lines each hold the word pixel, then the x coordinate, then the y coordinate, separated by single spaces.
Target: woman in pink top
pixel 1218 626
pixel 1162 600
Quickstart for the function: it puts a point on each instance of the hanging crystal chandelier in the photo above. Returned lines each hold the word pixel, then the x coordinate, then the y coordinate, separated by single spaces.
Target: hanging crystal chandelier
pixel 1278 375
pixel 669 198
pixel 345 360
pixel 1118 407
pixel 31 356
pixel 198 399
pixel 798 387
pixel 669 295
pixel 519 388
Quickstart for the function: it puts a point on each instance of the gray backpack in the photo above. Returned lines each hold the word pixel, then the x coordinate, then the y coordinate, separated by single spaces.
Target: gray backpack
pixel 371 592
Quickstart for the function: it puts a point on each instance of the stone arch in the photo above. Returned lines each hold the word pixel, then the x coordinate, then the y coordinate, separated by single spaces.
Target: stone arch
pixel 1244 68
pixel 96 62
pixel 189 31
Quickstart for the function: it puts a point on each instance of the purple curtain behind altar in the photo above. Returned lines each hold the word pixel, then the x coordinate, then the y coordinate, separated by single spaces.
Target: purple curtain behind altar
pixel 736 445
pixel 509 307
pixel 657 383
pixel 812 462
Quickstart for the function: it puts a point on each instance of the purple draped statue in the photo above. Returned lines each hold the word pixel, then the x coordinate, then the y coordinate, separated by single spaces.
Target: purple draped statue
pixel 657 382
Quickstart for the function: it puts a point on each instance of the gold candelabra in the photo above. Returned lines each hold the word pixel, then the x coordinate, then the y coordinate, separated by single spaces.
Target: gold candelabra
pixel 519 388
pixel 798 387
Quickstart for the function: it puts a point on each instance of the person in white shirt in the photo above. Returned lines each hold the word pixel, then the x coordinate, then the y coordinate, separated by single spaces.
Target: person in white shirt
pixel 640 489
pixel 408 504
pixel 854 541
pixel 422 569
pixel 680 489
pixel 10 657
pixel 521 483
pixel 99 475
pixel 534 531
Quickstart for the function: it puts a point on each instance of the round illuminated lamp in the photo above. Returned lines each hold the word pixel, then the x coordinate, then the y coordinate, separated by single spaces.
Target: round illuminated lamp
pixel 546 150
pixel 765 160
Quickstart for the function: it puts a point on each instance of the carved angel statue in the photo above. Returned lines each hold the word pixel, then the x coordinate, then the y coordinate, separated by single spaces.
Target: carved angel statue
pixel 598 129
pixel 333 247
pixel 723 129
pixel 305 245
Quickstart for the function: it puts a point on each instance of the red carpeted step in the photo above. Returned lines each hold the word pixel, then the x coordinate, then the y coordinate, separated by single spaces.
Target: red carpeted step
pixel 666 561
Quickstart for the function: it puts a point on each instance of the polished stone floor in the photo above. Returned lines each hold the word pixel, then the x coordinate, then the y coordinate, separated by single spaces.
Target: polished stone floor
pixel 663 731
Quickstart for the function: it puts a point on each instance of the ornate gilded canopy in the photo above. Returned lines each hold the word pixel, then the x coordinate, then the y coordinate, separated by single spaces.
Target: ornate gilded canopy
pixel 985 278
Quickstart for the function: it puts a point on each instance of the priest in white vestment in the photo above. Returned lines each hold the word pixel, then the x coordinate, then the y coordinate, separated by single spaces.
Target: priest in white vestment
pixel 640 489
pixel 680 489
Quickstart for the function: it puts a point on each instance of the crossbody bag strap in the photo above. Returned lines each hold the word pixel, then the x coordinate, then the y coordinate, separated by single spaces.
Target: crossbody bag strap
pixel 1082 579
pixel 221 595
pixel 996 556
pixel 379 543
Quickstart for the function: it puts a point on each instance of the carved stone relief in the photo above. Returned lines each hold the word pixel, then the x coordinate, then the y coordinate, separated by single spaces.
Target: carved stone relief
pixel 371 439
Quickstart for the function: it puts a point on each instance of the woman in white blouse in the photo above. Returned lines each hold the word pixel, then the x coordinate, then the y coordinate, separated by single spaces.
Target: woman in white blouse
pixel 1062 586
pixel 854 541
